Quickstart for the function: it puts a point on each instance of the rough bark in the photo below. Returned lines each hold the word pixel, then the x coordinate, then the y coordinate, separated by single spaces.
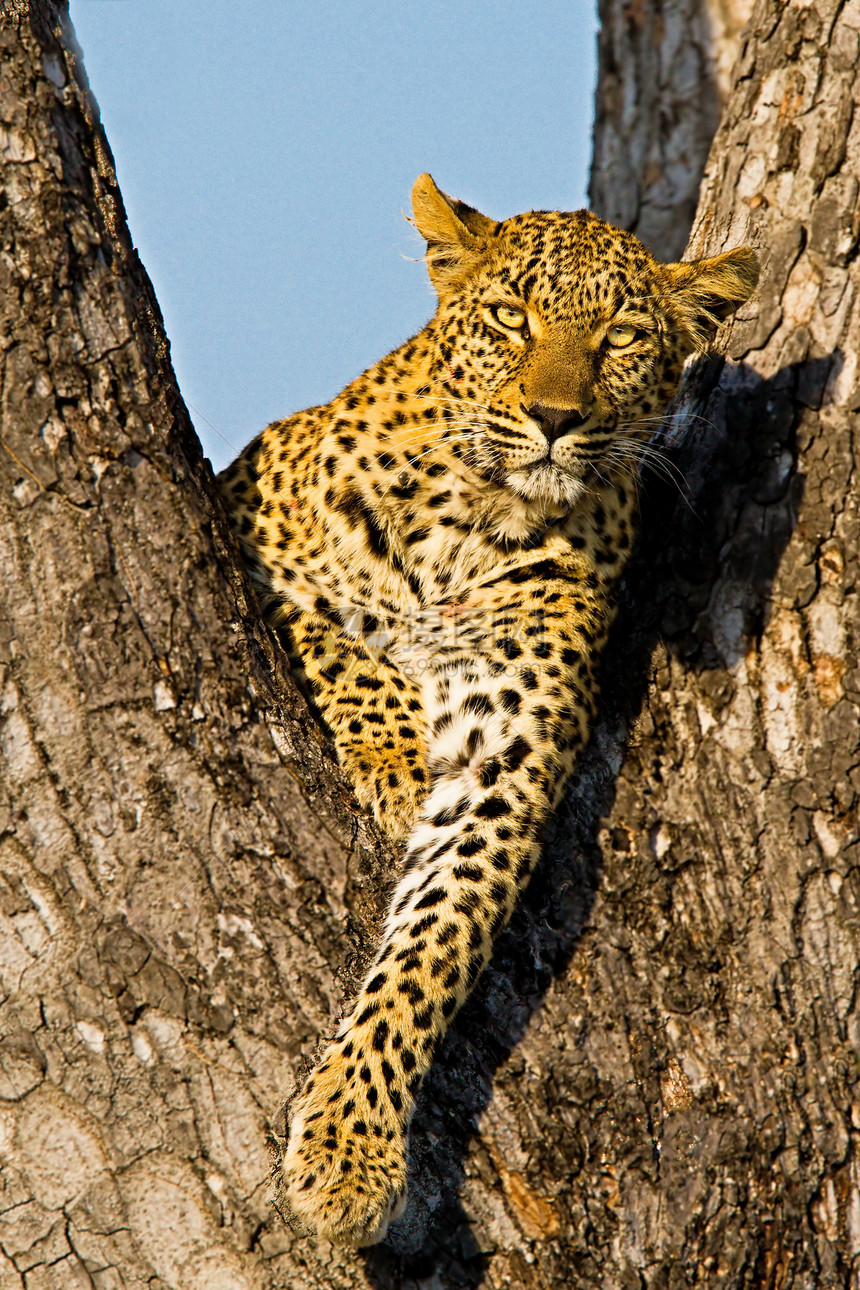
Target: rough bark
pixel 725 929
pixel 664 70
pixel 174 896
pixel 656 1082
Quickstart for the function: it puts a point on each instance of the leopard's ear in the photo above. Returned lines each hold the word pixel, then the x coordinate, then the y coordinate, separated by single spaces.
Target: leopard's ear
pixel 456 234
pixel 706 292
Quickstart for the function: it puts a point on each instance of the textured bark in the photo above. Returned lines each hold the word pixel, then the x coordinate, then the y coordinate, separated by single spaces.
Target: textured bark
pixel 173 896
pixel 664 70
pixel 722 950
pixel 655 1084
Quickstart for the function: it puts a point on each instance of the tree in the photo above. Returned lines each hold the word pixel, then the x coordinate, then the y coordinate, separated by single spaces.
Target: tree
pixel 664 71
pixel 654 1083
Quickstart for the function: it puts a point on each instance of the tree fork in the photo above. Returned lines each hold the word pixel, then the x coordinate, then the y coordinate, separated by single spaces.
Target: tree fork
pixel 662 1054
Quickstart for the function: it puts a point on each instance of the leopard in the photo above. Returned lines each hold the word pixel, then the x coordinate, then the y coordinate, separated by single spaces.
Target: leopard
pixel 440 548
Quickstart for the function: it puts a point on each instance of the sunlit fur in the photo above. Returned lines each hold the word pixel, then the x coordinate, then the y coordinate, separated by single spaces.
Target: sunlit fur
pixel 439 545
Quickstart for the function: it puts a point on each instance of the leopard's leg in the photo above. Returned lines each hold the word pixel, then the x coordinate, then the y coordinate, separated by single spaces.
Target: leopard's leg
pixel 506 735
pixel 375 713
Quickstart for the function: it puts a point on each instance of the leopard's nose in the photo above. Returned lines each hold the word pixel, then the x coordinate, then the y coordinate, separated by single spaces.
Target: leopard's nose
pixel 555 422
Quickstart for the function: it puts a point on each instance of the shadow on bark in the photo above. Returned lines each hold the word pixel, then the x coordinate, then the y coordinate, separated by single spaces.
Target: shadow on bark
pixel 691 586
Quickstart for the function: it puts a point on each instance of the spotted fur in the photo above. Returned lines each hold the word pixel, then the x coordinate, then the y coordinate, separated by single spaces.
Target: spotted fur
pixel 441 543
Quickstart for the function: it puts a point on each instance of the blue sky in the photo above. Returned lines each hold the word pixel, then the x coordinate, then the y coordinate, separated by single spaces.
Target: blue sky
pixel 266 152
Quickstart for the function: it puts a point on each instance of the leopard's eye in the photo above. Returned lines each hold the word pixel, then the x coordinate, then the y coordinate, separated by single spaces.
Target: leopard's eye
pixel 509 317
pixel 621 334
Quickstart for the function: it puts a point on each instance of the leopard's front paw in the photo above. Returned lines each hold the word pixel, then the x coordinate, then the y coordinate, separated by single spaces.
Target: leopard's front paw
pixel 345 1163
pixel 392 787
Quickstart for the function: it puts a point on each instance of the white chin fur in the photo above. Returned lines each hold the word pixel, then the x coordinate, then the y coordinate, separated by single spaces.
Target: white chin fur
pixel 547 485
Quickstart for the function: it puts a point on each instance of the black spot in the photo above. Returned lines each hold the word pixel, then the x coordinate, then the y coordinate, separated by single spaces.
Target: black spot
pixel 480 704
pixel 468 902
pixel 509 648
pixel 370 1011
pixel 430 898
pixel 471 847
pixel 380 1035
pixel 376 539
pixel 493 807
pixel 511 701
pixel 517 752
pixel 490 772
pixel 451 814
pixel 374 986
pixel 468 872
pixel 424 1020
pixel 368 683
pixel 423 924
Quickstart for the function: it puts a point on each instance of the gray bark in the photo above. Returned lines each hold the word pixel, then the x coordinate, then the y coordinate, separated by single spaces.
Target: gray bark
pixel 665 68
pixel 175 898
pixel 656 1081
pixel 726 928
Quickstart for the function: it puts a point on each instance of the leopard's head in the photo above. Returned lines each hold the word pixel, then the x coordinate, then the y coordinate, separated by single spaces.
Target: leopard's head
pixel 559 339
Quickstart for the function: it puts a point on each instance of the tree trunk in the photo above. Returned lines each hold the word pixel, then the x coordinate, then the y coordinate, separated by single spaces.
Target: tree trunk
pixel 664 70
pixel 653 1083
pixel 723 947
pixel 179 858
